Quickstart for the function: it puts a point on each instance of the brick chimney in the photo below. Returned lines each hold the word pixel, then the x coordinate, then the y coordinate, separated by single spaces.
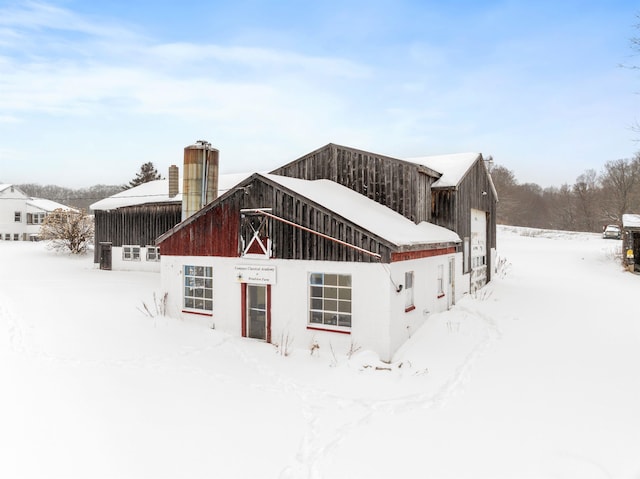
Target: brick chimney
pixel 173 181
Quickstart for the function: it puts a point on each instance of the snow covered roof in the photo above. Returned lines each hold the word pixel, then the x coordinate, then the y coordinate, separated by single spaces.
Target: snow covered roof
pixel 453 167
pixel 158 192
pixel 47 205
pixel 366 213
pixel 630 221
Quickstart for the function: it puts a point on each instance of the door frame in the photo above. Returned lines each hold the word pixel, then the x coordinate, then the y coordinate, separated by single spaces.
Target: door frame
pixel 452 283
pixel 106 255
pixel 244 305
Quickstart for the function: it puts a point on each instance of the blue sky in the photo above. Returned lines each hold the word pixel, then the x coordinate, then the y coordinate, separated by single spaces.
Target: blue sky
pixel 90 90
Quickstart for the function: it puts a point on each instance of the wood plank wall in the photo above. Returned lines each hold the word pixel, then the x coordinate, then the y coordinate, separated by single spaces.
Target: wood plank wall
pixel 134 225
pixel 216 230
pixel 391 182
pixel 294 243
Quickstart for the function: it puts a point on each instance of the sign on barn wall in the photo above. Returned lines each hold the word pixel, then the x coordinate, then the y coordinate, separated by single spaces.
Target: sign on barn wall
pixel 255 274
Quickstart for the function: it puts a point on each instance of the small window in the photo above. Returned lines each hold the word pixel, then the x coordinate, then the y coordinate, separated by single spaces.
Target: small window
pixel 17 217
pixel 255 234
pixel 408 292
pixel 131 253
pixel 440 281
pixel 7 236
pixel 16 237
pixel 465 253
pixel 153 253
pixel 198 288
pixel 330 300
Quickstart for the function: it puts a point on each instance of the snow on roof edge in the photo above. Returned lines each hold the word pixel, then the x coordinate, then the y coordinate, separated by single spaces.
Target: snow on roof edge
pixel 367 213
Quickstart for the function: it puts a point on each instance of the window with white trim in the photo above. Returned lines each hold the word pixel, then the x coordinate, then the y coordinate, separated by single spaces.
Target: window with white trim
pixel 255 232
pixel 153 253
pixel 198 288
pixel 330 300
pixel 7 236
pixel 16 237
pixel 35 218
pixel 408 291
pixel 440 280
pixel 17 217
pixel 131 253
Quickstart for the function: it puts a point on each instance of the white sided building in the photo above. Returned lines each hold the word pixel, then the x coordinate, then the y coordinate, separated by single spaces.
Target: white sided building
pixel 310 260
pixel 21 216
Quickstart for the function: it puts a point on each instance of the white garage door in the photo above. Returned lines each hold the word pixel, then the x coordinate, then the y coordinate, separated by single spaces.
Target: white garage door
pixel 478 249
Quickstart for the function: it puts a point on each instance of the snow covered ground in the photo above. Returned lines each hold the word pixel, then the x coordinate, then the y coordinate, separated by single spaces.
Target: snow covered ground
pixel 538 376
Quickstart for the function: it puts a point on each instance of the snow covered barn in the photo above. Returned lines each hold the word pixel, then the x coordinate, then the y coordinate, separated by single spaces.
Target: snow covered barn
pixel 631 241
pixel 281 257
pixel 128 223
pixel 21 215
pixel 453 191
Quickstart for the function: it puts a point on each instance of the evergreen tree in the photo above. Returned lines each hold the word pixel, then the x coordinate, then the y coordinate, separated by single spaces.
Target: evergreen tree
pixel 147 173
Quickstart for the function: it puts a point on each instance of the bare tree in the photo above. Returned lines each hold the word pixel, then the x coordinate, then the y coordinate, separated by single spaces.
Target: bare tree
pixel 68 230
pixel 586 193
pixel 621 182
pixel 563 211
pixel 506 185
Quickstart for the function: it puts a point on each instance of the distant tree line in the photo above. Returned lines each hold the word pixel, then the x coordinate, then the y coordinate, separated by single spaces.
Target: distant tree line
pixel 77 198
pixel 593 201
pixel 84 197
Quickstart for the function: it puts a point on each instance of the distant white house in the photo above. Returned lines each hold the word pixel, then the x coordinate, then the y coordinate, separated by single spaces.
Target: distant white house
pixel 21 216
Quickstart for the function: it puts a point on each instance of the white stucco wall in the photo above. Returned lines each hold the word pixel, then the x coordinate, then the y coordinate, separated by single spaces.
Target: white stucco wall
pixel 371 291
pixel 379 320
pixel 425 294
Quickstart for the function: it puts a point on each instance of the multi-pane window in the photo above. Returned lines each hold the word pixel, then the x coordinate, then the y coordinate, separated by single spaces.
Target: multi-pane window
pixel 131 253
pixel 153 253
pixel 7 236
pixel 16 237
pixel 198 288
pixel 440 280
pixel 35 218
pixel 17 217
pixel 408 291
pixel 330 299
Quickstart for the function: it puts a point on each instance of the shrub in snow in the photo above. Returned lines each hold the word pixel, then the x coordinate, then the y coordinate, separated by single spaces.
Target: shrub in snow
pixel 283 347
pixel 68 230
pixel 159 307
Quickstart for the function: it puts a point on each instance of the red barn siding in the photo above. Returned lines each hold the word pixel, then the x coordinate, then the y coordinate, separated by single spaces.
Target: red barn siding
pixel 426 253
pixel 215 233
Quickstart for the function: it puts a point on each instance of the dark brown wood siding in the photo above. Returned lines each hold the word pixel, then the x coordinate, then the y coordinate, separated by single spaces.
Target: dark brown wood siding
pixel 451 207
pixel 134 225
pixel 402 186
pixel 221 220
